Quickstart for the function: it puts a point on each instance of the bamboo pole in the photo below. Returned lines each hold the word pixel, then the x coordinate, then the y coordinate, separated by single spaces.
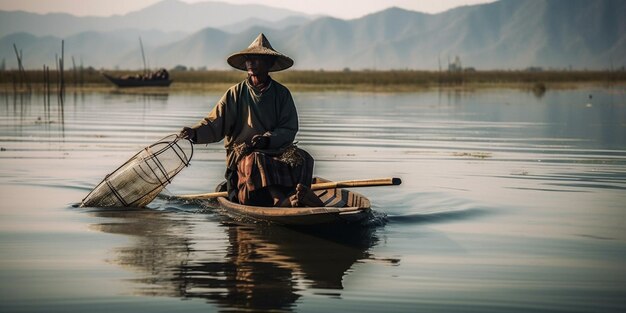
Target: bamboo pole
pixel 319 186
pixel 62 85
pixel 48 88
pixel 143 56
pixel 75 76
pixel 19 65
pixel 62 69
pixel 45 104
pixel 82 81
pixel 56 63
pixel 358 183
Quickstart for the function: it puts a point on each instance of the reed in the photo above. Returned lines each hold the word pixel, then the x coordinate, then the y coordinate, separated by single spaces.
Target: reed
pixel 330 80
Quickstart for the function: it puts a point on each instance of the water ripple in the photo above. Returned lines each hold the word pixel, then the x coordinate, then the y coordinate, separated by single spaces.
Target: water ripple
pixel 524 196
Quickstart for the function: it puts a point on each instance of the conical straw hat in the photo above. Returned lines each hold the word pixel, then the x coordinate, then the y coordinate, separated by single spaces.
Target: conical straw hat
pixel 260 46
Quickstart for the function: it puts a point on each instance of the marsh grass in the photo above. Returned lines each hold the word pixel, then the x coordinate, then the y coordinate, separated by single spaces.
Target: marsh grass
pixel 373 81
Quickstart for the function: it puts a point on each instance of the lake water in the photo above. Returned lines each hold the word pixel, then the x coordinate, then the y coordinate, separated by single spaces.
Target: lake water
pixel 510 203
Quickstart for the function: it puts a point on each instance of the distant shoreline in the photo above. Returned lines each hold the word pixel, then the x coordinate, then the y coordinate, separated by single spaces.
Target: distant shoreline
pixel 315 81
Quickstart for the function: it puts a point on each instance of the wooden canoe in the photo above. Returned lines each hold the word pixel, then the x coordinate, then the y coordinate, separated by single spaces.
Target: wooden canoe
pixel 127 82
pixel 341 206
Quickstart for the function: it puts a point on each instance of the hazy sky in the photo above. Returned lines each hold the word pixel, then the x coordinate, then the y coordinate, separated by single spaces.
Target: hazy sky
pixel 337 8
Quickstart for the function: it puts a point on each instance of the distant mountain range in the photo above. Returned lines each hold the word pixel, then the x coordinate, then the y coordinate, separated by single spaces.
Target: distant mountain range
pixel 507 34
pixel 165 16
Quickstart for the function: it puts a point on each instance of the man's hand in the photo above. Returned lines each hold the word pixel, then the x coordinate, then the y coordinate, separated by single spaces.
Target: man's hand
pixel 188 133
pixel 260 142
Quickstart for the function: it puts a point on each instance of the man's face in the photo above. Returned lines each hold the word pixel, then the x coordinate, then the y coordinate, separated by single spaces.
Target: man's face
pixel 258 65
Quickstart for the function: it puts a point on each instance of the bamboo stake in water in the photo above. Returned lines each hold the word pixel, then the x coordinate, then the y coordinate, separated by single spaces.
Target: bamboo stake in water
pixel 143 56
pixel 20 66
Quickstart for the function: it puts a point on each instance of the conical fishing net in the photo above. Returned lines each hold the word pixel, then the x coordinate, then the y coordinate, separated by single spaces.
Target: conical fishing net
pixel 138 181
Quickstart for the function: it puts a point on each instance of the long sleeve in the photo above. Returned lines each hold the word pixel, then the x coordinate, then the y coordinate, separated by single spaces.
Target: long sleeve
pixel 213 127
pixel 287 127
pixel 241 114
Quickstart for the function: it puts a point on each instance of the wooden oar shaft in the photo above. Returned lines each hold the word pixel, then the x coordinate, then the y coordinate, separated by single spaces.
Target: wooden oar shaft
pixel 203 196
pixel 357 183
pixel 319 186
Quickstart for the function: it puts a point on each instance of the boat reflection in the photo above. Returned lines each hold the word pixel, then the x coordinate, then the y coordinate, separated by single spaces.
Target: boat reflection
pixel 261 267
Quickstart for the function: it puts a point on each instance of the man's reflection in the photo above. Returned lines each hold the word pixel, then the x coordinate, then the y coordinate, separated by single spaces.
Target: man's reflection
pixel 264 267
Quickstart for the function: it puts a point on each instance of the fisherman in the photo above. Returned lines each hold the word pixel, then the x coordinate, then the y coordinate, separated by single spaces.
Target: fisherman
pixel 258 121
pixel 163 74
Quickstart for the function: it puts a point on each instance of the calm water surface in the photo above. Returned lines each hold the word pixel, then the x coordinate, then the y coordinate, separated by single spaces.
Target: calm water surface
pixel 509 203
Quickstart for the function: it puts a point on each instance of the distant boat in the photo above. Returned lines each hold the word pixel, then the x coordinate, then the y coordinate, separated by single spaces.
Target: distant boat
pixel 159 78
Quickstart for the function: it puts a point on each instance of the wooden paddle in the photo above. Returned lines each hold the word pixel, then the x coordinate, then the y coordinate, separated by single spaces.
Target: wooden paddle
pixel 319 186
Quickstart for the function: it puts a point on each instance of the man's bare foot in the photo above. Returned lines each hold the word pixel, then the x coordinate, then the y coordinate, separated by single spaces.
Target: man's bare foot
pixel 304 196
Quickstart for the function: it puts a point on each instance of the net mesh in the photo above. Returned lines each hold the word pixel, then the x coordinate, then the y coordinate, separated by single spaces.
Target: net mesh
pixel 138 181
